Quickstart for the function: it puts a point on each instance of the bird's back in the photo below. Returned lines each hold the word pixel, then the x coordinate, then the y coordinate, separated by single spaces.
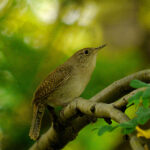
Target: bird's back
pixel 51 83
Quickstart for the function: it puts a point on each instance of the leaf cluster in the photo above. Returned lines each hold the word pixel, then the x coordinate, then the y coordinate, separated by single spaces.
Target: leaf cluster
pixel 142 100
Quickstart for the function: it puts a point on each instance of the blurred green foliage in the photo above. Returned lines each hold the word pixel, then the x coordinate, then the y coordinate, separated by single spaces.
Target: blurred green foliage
pixel 38 35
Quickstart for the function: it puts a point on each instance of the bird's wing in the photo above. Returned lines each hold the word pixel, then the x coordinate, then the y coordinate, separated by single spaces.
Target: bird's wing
pixel 52 81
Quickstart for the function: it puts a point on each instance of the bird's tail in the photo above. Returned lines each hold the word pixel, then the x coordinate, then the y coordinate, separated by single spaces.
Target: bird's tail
pixel 38 112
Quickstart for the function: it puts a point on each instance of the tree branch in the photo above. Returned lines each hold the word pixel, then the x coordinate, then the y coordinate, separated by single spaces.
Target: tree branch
pixel 124 100
pixel 94 109
pixel 61 133
pixel 121 87
pixel 57 138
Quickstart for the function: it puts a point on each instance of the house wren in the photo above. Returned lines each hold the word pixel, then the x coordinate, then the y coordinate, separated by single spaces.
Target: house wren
pixel 63 85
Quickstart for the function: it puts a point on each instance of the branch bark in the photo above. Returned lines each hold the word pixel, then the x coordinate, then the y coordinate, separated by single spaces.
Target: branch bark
pixel 121 87
pixel 60 134
pixel 124 100
pixel 99 110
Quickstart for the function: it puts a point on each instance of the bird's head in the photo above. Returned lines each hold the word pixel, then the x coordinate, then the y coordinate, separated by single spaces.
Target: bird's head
pixel 86 56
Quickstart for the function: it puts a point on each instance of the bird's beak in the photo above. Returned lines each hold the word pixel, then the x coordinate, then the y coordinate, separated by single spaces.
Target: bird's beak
pixel 99 48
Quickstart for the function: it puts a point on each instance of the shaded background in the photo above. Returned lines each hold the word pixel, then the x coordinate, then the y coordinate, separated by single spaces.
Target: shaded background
pixel 38 35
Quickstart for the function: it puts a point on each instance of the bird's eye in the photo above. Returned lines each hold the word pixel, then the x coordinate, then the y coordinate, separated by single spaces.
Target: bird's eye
pixel 86 52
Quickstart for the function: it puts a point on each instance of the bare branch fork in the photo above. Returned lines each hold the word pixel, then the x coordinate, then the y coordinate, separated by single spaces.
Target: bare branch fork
pixel 71 121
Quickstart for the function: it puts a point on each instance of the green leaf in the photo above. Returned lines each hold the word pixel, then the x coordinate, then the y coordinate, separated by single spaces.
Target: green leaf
pixel 129 127
pixel 146 103
pixel 146 98
pixel 106 128
pixel 143 115
pixel 138 84
pixel 135 98
pixel 146 94
pixel 130 124
pixel 128 130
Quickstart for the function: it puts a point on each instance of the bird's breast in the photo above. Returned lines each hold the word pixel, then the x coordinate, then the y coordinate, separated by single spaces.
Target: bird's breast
pixel 74 86
pixel 70 90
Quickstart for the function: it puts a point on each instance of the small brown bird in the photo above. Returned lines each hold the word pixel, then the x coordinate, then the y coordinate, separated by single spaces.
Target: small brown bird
pixel 63 85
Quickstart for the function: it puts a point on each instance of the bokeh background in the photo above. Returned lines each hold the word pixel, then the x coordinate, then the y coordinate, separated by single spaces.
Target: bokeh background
pixel 38 35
